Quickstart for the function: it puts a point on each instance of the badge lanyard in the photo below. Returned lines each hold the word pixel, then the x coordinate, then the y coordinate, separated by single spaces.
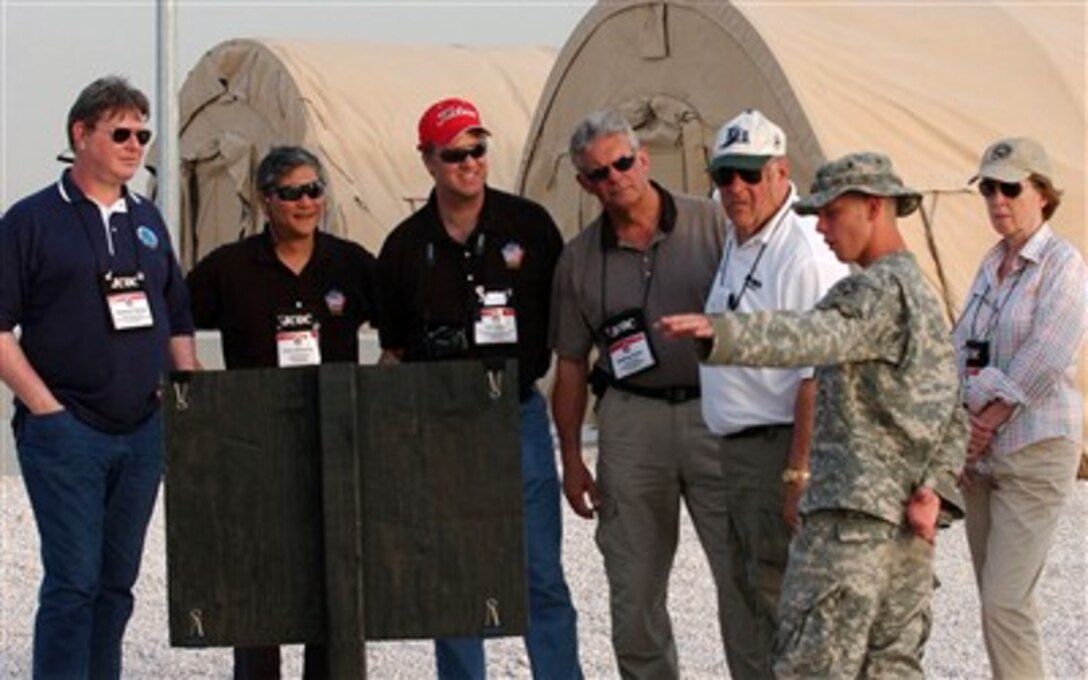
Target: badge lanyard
pixel 626 335
pixel 426 279
pixel 648 280
pixel 750 281
pixel 493 318
pixel 977 348
pixel 124 292
pixel 995 316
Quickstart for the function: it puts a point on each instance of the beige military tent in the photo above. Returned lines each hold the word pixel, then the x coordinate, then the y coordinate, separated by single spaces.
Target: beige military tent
pixel 356 106
pixel 930 84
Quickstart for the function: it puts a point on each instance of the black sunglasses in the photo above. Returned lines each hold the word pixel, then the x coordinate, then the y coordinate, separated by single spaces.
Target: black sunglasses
pixel 294 193
pixel 455 156
pixel 621 164
pixel 989 187
pixel 120 135
pixel 723 177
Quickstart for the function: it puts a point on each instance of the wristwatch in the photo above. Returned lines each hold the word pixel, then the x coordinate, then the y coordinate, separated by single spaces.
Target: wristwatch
pixel 792 475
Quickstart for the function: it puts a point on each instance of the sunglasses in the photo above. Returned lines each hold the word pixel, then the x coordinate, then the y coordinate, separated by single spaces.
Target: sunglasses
pixel 989 187
pixel 455 156
pixel 621 165
pixel 120 135
pixel 723 177
pixel 294 193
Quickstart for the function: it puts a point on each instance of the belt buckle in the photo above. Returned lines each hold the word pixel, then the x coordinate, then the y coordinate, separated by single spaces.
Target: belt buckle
pixel 676 395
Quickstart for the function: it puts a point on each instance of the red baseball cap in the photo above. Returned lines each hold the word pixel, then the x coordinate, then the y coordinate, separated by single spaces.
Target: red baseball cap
pixel 444 120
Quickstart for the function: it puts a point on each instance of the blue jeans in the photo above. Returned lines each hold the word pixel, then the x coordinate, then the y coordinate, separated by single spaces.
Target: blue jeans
pixel 552 638
pixel 92 494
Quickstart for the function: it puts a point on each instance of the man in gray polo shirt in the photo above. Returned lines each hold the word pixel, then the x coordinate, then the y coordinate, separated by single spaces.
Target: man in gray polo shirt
pixel 649 252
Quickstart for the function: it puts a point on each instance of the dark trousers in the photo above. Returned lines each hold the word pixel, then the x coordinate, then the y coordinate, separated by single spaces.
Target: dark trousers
pixel 263 663
pixel 552 639
pixel 92 495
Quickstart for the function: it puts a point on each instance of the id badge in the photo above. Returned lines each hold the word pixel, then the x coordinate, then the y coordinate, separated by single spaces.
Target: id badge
pixel 127 301
pixel 630 350
pixel 978 356
pixel 297 340
pixel 496 320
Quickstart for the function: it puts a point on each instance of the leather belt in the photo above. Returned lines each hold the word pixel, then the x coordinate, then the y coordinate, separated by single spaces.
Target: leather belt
pixel 675 394
pixel 757 431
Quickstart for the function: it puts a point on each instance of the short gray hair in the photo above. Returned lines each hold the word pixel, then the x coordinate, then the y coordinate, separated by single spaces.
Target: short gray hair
pixel 599 124
pixel 105 95
pixel 281 160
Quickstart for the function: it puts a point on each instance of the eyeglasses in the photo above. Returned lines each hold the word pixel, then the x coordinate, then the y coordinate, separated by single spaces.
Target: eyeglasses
pixel 723 177
pixel 120 135
pixel 294 193
pixel 455 156
pixel 989 187
pixel 621 164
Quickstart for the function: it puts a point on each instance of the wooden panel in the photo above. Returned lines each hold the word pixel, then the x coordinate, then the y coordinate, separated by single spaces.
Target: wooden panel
pixel 411 513
pixel 443 537
pixel 243 508
pixel 343 512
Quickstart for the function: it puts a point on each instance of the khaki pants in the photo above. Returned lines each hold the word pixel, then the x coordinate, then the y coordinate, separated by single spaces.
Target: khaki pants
pixel 1010 526
pixel 759 545
pixel 651 455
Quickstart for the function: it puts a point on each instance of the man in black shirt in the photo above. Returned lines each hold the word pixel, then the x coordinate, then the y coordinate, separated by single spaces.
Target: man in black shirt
pixel 289 296
pixel 469 276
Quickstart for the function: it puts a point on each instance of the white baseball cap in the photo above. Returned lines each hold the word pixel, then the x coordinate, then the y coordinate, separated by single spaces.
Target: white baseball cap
pixel 1013 159
pixel 747 142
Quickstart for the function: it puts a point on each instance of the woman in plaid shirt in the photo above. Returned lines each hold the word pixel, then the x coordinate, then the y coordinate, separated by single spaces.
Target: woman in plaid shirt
pixel 1017 344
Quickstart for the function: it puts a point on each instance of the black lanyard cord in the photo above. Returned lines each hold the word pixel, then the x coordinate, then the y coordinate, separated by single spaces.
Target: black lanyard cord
pixel 991 323
pixel 431 259
pixel 733 301
pixel 648 280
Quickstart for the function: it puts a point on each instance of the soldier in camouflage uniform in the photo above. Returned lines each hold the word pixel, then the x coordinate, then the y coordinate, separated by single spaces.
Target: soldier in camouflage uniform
pixel 890 434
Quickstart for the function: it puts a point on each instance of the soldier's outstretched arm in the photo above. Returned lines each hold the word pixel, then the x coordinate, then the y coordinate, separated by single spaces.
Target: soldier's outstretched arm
pixel 856 321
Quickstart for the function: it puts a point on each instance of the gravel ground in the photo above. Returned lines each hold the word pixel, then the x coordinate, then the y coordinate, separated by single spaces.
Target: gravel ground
pixel 955 648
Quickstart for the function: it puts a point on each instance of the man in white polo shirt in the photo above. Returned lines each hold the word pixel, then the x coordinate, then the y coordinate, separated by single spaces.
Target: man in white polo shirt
pixel 773 259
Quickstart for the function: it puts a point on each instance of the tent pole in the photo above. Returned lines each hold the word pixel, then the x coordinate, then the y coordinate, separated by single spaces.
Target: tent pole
pixel 166 178
pixel 931 244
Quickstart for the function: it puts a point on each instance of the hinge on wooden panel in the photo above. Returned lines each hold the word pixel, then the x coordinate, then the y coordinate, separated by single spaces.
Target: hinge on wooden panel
pixel 181 396
pixel 491 619
pixel 180 382
pixel 196 623
pixel 494 384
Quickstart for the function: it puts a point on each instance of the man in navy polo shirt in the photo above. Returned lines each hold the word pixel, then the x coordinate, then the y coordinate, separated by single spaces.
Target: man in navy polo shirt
pixel 88 275
pixel 469 275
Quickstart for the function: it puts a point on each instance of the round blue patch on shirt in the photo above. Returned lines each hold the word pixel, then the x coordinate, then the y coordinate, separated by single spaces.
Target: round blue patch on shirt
pixel 147 236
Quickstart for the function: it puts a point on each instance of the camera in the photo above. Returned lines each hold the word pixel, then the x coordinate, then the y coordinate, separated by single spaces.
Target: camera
pixel 446 342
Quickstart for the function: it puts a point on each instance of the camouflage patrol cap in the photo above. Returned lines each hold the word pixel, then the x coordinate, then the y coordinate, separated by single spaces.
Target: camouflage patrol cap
pixel 864 173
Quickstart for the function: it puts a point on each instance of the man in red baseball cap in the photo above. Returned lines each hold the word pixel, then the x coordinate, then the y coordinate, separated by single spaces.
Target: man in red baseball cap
pixel 445 120
pixel 468 276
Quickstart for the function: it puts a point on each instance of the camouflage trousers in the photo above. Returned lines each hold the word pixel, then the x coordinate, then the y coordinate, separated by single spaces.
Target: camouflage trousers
pixel 855 601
